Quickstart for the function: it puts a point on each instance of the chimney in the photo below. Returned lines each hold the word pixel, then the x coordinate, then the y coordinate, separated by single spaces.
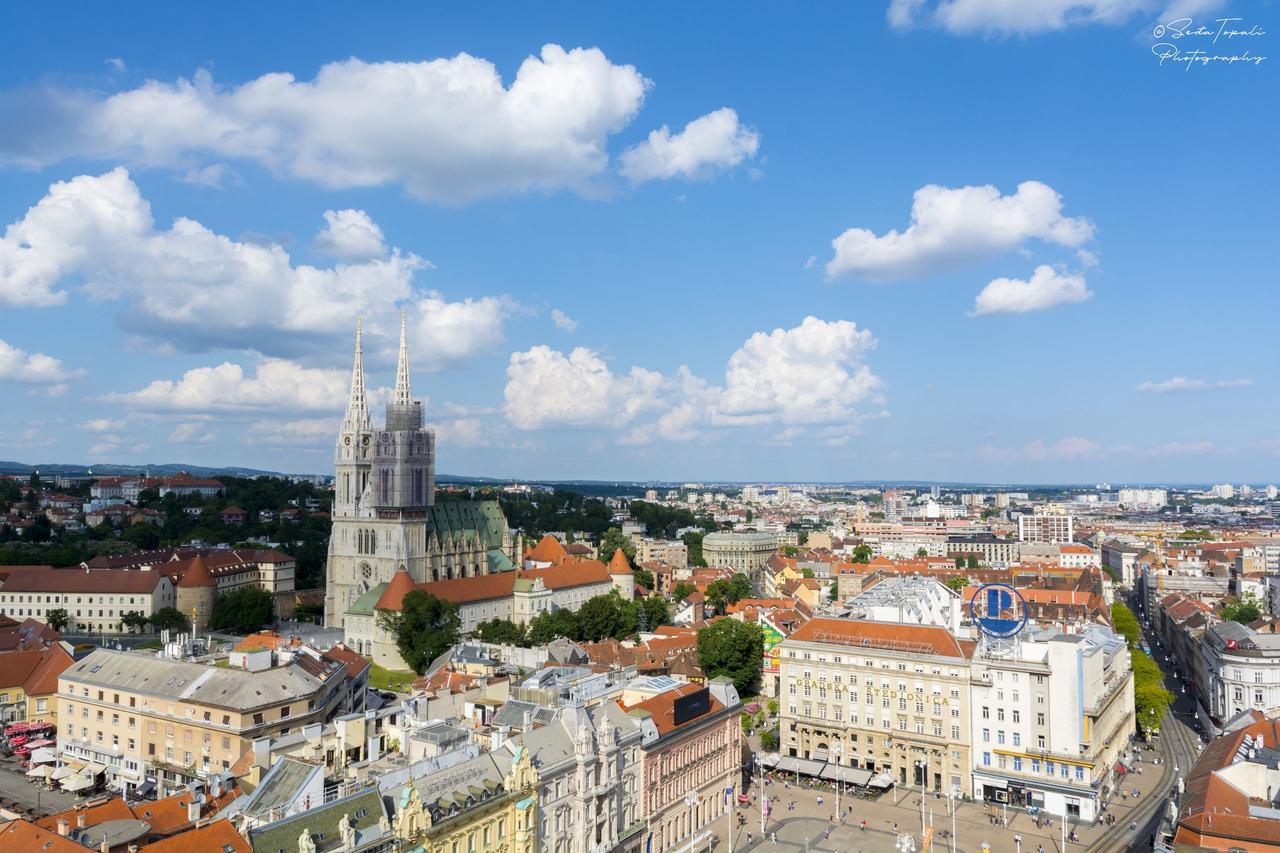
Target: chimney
pixel 104 847
pixel 193 808
pixel 64 828
pixel 80 820
pixel 262 752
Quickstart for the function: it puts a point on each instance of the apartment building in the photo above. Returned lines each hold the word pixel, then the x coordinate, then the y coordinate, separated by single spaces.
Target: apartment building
pixel 141 715
pixel 1050 529
pixel 887 697
pixel 1050 719
pixel 95 600
pixel 1241 668
pixel 673 552
pixel 987 548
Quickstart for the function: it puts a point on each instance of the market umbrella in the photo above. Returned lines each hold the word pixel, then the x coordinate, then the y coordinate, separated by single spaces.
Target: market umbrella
pixel 76 783
pixel 42 771
pixel 43 755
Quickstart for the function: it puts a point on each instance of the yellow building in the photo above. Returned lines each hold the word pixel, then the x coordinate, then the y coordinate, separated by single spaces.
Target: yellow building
pixel 489 803
pixel 138 714
pixel 29 684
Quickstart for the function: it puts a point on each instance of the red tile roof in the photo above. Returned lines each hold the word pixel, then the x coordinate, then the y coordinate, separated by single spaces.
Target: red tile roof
pixel 618 564
pixel 662 708
pixel 220 835
pixel 548 550
pixel 82 580
pixel 925 639
pixel 197 575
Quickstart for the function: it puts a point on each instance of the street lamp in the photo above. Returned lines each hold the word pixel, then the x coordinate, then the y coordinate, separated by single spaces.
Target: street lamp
pixel 836 750
pixel 923 766
pixel 952 796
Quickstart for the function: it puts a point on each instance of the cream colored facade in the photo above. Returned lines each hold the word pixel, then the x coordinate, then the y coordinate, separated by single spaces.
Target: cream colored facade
pixel 140 715
pixel 673 552
pixel 879 708
pixel 94 604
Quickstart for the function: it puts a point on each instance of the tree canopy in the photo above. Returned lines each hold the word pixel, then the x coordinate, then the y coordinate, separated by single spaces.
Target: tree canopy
pixel 731 648
pixel 425 628
pixel 243 610
pixel 612 540
pixel 1244 609
pixel 502 631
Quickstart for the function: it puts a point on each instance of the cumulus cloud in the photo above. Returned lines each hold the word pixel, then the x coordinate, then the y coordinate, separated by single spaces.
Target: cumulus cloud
pixel 103 425
pixel 275 384
pixel 18 365
pixel 1046 288
pixel 811 374
pixel 115 63
pixel 117 446
pixel 1071 447
pixel 1183 383
pixel 192 433
pixel 351 235
pixel 1027 17
pixel 448 129
pixel 708 144
pixel 952 227
pixel 547 388
pixel 563 321
pixel 197 290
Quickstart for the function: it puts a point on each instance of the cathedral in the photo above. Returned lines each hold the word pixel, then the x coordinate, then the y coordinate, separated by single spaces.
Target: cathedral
pixel 385 516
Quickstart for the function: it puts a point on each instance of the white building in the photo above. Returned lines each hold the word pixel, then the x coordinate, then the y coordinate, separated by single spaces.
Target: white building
pixel 1242 669
pixel 1148 498
pixel 1050 721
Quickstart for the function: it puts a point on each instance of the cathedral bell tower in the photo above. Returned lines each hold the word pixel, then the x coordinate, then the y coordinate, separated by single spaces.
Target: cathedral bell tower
pixel 353 454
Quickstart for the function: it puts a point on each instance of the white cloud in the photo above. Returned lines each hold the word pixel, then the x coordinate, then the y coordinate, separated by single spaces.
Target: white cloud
pixel 447 129
pixel 708 144
pixel 117 446
pixel 809 375
pixel 103 425
pixel 1046 288
pixel 813 373
pixel 18 365
pixel 199 290
pixel 299 432
pixel 548 388
pixel 563 321
pixel 115 63
pixel 36 435
pixel 810 261
pixel 276 384
pixel 951 227
pixel 351 235
pixel 1183 383
pixel 192 433
pixel 1027 17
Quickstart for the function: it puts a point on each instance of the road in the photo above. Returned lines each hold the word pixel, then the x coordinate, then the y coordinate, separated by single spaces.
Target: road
pixel 1179 746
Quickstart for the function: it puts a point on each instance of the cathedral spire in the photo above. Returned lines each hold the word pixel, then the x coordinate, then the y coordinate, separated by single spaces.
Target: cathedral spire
pixel 358 405
pixel 403 394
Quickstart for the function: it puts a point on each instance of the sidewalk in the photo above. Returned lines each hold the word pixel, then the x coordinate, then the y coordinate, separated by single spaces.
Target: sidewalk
pixel 973 822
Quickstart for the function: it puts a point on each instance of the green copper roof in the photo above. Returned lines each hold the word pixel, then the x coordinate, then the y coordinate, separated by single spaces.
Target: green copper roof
pixel 363 605
pixel 364 809
pixel 499 561
pixel 484 517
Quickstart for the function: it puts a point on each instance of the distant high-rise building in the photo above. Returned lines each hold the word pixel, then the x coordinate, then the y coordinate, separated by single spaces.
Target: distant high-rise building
pixel 1151 498
pixel 1046 529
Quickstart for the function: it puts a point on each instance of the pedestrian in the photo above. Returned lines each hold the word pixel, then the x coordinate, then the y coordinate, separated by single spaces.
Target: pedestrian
pixel 775 836
pixel 748 839
pixel 864 824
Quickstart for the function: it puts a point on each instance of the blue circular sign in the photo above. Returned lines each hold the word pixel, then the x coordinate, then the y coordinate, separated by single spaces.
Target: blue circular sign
pixel 999 610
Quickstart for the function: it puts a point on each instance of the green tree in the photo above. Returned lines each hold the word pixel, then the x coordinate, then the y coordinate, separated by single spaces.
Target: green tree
pixel 833 593
pixel 502 631
pixel 693 543
pixel 169 618
pixel 731 648
pixel 134 620
pixel 1126 624
pixel 644 578
pixel 1244 609
pixel 959 562
pixel 740 588
pixel 806 572
pixel 957 583
pixel 972 562
pixel 612 541
pixel 769 739
pixel 242 610
pixel 656 611
pixel 58 619
pixel 682 590
pixel 717 594
pixel 41 530
pixel 1150 697
pixel 425 627
pixel 922 552
pixel 548 625
pixel 143 536
pixel 605 616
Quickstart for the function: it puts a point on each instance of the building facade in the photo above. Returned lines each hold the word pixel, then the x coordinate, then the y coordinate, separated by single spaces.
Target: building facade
pixel 141 715
pixel 673 552
pixel 94 600
pixel 886 697
pixel 745 553
pixel 1048 529
pixel 384 513
pixel 691 742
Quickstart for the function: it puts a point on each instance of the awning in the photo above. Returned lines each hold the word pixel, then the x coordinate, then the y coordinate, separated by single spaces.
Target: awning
pixel 95 768
pixel 43 755
pixel 818 755
pixel 805 766
pixel 63 772
pixel 144 790
pixel 41 770
pixel 76 783
pixel 768 759
pixel 1002 784
pixel 848 775
pixel 881 780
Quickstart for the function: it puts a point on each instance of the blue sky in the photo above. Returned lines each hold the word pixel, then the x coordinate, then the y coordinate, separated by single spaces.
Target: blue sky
pixel 1087 292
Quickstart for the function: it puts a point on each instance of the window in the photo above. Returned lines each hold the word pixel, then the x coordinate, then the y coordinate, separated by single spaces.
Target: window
pixel 1000 736
pixel 986 735
pixel 986 759
pixel 986 712
pixel 1017 764
pixel 955 732
pixel 1079 774
pixel 1039 718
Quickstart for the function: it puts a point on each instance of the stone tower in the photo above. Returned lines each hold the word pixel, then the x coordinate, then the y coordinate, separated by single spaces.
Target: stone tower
pixel 383 490
pixel 195 594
